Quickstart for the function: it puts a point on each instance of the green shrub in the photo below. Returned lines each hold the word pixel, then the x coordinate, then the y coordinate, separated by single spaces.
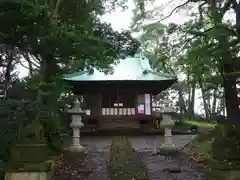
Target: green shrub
pixel 55 133
pixel 202 124
pixel 217 152
pixel 226 144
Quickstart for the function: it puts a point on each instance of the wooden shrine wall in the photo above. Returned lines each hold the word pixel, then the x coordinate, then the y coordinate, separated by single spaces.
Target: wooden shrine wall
pixel 118 103
pixel 92 102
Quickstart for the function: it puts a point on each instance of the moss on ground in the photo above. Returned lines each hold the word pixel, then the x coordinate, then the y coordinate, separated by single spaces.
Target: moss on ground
pixel 199 124
pixel 125 163
pixel 30 167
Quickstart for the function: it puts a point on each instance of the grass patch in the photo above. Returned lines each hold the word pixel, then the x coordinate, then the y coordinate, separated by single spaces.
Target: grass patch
pixel 125 164
pixel 199 124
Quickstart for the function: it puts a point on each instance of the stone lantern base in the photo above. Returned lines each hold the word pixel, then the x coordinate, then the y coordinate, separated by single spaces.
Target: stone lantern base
pixel 168 150
pixel 76 149
pixel 73 152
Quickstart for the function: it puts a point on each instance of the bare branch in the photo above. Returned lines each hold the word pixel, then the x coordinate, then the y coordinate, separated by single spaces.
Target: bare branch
pixel 200 9
pixel 30 67
pixel 176 8
pixel 184 44
pixel 226 6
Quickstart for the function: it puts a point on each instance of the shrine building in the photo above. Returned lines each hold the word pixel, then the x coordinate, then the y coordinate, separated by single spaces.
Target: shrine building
pixel 123 98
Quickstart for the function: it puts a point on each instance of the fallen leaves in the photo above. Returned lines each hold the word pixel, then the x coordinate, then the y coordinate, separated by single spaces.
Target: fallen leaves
pixel 70 169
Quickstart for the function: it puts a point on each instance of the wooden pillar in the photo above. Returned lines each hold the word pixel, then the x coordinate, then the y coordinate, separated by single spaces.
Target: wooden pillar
pixel 118 99
pixel 100 101
pixel 151 104
pixel 136 103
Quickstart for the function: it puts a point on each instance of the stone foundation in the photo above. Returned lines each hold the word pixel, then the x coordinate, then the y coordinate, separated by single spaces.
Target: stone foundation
pixel 27 176
pixel 113 124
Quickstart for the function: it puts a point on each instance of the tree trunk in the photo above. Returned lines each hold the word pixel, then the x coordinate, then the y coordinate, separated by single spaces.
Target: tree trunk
pixel 188 90
pixel 230 89
pixel 221 106
pixel 205 103
pixel 9 68
pixel 48 73
pixel 191 100
pixel 181 102
pixel 214 103
pixel 191 110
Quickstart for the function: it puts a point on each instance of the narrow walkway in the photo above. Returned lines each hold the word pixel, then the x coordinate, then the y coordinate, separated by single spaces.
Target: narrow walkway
pixel 98 157
pixel 162 167
pixel 96 161
pixel 151 143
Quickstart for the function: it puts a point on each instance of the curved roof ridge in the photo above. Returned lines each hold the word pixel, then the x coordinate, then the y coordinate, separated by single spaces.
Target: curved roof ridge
pixel 135 67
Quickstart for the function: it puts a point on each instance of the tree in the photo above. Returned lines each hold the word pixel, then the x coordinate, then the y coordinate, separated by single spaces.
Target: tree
pixel 210 47
pixel 54 37
pixel 211 14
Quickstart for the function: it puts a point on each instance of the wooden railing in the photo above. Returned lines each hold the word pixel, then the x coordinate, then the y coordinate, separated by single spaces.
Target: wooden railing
pixel 113 111
pixel 120 112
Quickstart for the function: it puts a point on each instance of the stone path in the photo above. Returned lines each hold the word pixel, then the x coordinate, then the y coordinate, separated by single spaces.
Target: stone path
pixel 97 160
pixel 99 154
pixel 166 168
pixel 150 143
pixel 98 157
pixel 161 167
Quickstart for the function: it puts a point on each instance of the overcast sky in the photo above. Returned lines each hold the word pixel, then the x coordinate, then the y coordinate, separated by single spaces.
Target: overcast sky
pixel 122 19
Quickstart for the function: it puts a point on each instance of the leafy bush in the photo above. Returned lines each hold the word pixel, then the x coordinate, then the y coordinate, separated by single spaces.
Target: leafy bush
pixel 226 144
pixel 13 113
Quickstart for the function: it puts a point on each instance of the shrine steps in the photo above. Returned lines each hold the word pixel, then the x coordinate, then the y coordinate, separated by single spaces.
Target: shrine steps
pixel 118 124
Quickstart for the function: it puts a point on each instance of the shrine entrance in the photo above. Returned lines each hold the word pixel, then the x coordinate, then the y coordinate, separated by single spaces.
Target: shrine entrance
pixel 118 103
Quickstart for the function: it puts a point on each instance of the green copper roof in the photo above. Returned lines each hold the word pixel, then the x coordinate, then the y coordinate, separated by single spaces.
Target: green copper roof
pixel 131 68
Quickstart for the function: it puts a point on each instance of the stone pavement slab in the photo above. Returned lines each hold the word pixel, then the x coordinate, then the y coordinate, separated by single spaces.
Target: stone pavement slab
pixel 165 168
pixel 162 167
pixel 96 144
pixel 97 161
pixel 151 143
pixel 98 156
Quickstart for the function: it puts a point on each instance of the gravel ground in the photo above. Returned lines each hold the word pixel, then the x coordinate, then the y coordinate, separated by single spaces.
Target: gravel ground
pixel 159 167
pixel 98 157
pixel 169 168
pixel 151 143
pixel 162 167
pixel 93 168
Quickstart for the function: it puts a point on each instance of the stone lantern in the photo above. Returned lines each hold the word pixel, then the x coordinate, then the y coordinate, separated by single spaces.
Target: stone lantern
pixel 76 124
pixel 167 123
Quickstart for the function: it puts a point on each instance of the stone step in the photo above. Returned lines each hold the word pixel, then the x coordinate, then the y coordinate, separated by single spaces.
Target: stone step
pixel 112 124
